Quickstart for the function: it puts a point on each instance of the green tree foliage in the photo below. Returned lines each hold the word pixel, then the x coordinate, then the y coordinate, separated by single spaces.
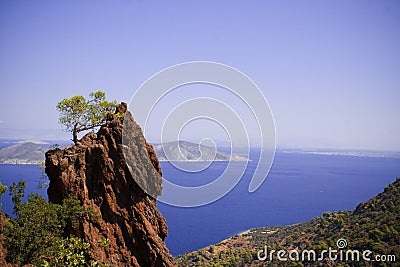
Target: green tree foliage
pixel 78 114
pixel 33 231
pixel 3 189
pixel 70 252
pixel 35 236
pixel 17 192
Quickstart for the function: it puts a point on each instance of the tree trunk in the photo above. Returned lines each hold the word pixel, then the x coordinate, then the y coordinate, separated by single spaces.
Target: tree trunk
pixel 75 136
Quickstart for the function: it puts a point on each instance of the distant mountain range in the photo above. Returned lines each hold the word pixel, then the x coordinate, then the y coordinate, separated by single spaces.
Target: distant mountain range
pixel 23 153
pixel 190 152
pixel 33 153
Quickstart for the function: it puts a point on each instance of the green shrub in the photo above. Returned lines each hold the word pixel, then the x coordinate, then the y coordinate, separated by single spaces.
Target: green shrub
pixel 36 234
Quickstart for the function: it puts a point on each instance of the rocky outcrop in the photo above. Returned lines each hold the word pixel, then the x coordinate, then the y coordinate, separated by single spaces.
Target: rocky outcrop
pixel 107 172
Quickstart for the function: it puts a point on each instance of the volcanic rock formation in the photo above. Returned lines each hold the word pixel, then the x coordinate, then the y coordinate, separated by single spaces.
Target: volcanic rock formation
pixel 107 172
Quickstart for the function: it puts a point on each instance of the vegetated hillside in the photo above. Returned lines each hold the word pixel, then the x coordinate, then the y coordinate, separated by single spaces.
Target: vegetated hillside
pixel 186 151
pixel 373 225
pixel 23 153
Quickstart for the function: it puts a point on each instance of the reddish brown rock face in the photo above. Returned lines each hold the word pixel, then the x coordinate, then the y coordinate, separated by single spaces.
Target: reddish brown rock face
pixel 96 172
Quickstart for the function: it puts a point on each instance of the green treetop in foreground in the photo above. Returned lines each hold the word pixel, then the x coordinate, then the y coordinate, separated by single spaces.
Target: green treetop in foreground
pixel 37 233
pixel 78 114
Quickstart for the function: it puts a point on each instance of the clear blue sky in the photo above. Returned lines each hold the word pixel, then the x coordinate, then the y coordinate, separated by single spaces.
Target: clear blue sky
pixel 330 70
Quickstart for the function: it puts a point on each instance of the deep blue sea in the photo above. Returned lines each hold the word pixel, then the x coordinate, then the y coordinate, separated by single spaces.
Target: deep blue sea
pixel 299 187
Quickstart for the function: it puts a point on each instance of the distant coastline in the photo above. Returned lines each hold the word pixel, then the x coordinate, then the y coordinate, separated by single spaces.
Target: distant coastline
pixel 215 160
pixel 342 152
pixel 19 162
pixel 184 151
pixel 19 152
pixel 24 153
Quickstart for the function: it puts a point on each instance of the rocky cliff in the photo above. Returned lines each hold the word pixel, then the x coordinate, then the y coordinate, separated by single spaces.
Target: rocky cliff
pixel 107 174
